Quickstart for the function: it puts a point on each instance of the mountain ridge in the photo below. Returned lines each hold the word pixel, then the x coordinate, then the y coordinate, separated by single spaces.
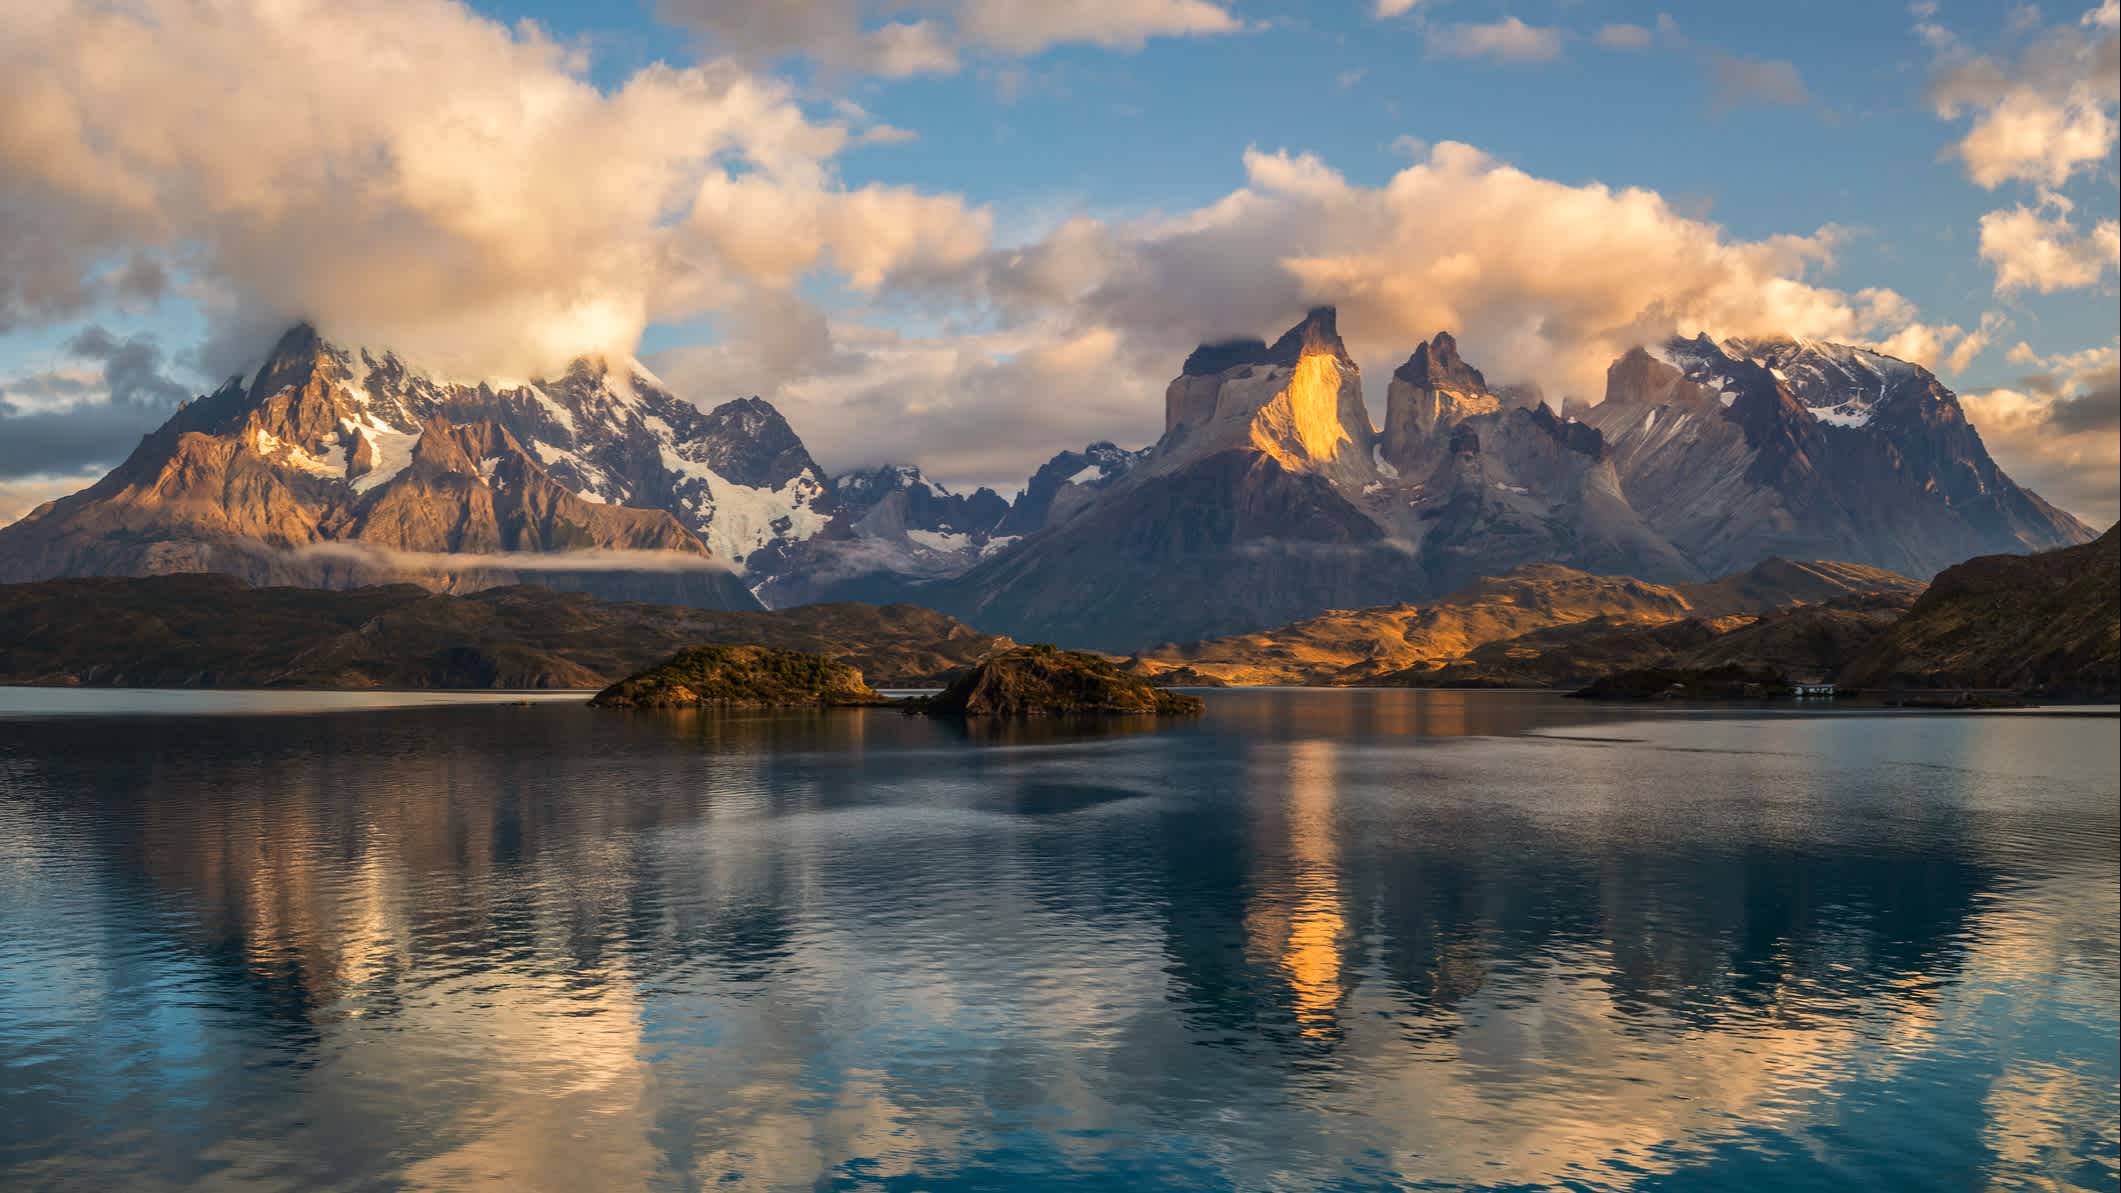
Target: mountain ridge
pixel 1271 495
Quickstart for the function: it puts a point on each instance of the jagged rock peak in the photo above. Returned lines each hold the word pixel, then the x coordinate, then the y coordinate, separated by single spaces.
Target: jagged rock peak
pixel 293 356
pixel 1437 365
pixel 1316 333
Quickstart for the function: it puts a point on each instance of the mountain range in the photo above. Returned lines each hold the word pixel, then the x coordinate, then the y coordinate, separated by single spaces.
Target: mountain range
pixel 1270 497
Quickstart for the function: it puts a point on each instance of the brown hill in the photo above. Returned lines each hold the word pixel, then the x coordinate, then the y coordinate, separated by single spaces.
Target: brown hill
pixel 2046 624
pixel 1779 583
pixel 216 631
pixel 1796 642
pixel 1560 621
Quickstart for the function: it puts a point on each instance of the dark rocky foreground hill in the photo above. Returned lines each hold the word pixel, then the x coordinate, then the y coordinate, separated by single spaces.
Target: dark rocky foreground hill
pixel 216 631
pixel 2047 624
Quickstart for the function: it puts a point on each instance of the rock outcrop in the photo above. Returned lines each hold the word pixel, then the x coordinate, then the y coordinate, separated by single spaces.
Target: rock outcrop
pixel 1037 681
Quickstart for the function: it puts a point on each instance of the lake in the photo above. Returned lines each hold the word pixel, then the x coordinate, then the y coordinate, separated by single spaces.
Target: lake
pixel 1314 940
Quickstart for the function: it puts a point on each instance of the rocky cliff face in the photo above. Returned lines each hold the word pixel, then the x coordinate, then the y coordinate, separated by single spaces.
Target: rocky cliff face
pixel 1434 388
pixel 1298 402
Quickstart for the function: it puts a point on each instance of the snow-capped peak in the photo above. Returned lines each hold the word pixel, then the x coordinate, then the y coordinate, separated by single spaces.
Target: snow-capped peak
pixel 611 432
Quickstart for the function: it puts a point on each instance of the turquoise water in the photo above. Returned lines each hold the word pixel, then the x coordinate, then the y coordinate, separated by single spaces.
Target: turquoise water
pixel 1317 940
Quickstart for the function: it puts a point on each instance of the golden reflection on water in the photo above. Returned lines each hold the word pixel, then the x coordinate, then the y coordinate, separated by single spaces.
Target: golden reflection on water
pixel 1296 919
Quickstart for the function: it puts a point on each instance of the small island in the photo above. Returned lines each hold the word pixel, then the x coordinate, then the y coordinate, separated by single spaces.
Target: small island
pixel 742 677
pixel 1044 680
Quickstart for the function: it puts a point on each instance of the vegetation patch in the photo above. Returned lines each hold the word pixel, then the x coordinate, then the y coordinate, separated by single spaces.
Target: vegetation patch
pixel 741 677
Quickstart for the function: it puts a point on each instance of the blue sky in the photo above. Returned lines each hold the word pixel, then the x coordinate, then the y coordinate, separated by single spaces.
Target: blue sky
pixel 1764 121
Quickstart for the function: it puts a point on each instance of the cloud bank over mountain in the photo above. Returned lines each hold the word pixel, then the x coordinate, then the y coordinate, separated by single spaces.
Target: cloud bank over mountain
pixel 1093 312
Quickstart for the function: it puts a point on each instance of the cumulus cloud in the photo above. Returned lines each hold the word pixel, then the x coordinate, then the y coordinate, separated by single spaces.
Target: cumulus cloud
pixel 897 40
pixel 2059 429
pixel 1506 40
pixel 2033 250
pixel 1944 347
pixel 1081 328
pixel 2042 117
pixel 412 173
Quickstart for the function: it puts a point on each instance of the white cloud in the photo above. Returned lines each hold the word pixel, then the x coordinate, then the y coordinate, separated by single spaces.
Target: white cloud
pixel 2042 118
pixel 412 173
pixel 917 37
pixel 1387 9
pixel 1976 342
pixel 1506 40
pixel 2032 251
pixel 1944 347
pixel 2059 429
pixel 2034 138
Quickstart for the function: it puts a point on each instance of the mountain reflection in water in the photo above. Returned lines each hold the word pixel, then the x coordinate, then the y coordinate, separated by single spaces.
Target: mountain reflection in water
pixel 1316 939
